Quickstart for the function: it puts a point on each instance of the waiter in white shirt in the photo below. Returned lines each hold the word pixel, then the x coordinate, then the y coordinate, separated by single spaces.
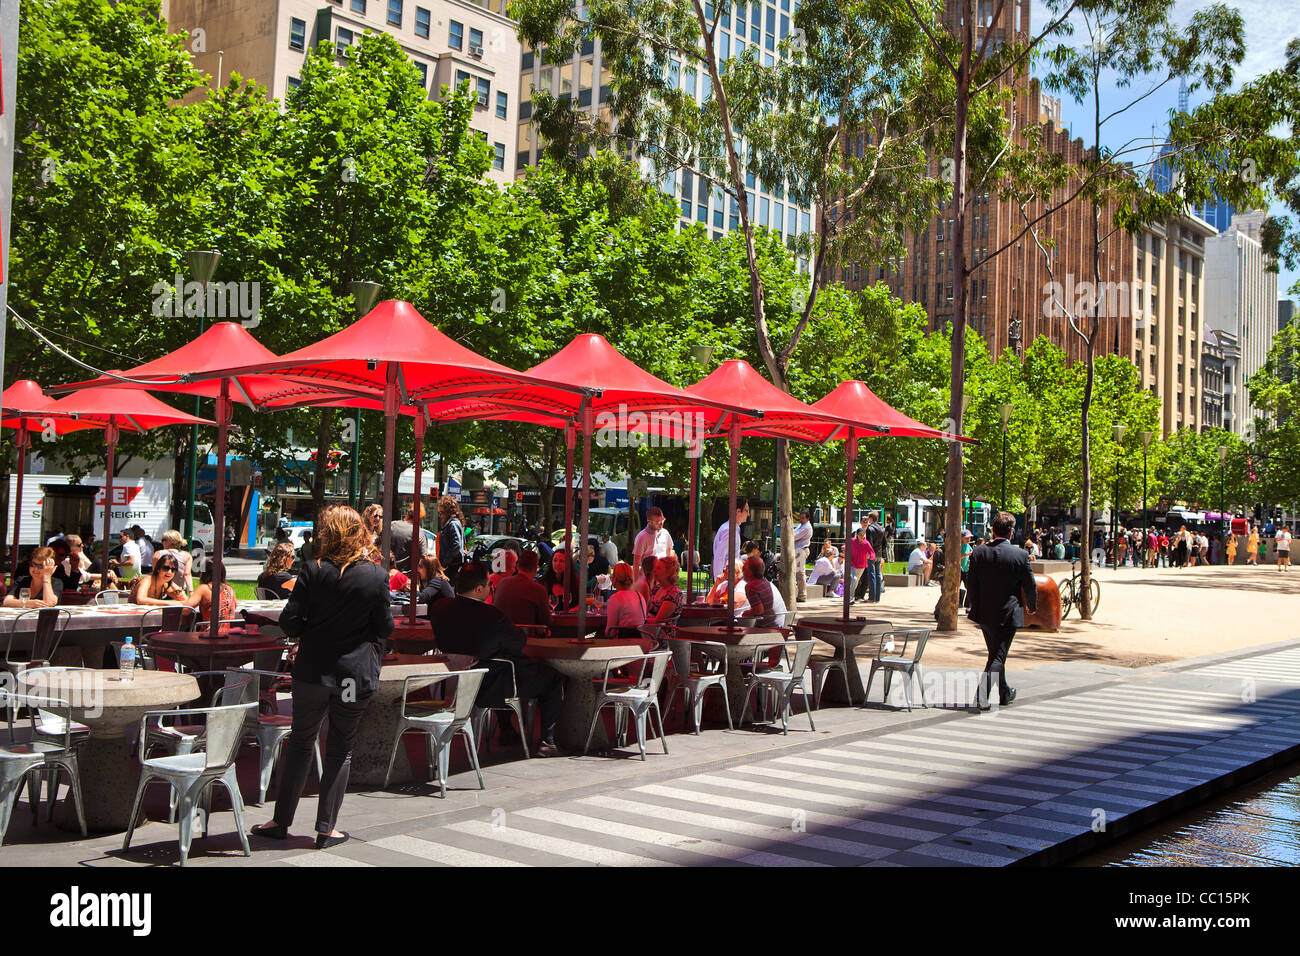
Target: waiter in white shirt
pixel 653 539
pixel 720 545
pixel 803 532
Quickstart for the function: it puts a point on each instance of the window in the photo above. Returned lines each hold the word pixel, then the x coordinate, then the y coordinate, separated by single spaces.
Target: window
pixel 294 82
pixel 498 155
pixel 395 13
pixel 484 92
pixel 423 69
pixel 503 105
pixel 455 34
pixel 475 40
pixel 461 78
pixel 422 18
pixel 297 34
pixel 342 40
pixel 358 6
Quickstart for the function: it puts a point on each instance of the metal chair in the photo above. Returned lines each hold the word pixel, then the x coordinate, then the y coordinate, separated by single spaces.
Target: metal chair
pixel 31 761
pixel 697 666
pixel 49 727
pixel 440 721
pixel 522 708
pixel 638 698
pixel 193 775
pixel 821 666
pixel 781 681
pixel 270 731
pixel 266 594
pixel 170 618
pixel 109 598
pixel 47 635
pixel 897 660
pixel 187 738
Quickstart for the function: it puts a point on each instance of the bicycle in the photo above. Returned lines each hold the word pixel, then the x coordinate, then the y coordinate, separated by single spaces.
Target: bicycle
pixel 1070 591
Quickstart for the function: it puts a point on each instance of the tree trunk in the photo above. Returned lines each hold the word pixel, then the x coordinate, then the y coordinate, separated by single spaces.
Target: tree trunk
pixel 947 613
pixel 789 583
pixel 324 432
pixel 1085 457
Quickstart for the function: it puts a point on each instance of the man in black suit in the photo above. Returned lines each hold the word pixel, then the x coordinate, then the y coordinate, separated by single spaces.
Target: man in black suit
pixel 465 624
pixel 999 580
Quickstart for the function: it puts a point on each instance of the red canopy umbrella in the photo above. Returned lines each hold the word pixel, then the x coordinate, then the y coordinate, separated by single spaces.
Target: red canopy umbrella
pixel 601 388
pixel 26 407
pixel 116 410
pixel 221 345
pixel 783 416
pixel 392 353
pixel 853 401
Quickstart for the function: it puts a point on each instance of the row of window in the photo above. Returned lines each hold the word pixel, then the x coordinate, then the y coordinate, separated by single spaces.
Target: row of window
pixel 423 24
pixel 423 17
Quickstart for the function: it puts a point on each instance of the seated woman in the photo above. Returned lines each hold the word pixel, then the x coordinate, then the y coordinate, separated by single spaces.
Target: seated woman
pixel 227 605
pixel 759 593
pixel 666 597
pixel 627 608
pixel 826 572
pixel 644 581
pixel 42 586
pixel 276 576
pixel 718 595
pixel 434 585
pixel 504 563
pixel 159 586
pixel 563 597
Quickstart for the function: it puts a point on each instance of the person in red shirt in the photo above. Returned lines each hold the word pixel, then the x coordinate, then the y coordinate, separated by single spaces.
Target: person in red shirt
pixel 861 554
pixel 1163 544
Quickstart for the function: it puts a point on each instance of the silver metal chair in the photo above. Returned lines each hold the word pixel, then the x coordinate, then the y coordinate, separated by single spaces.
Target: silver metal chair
pixel 186 738
pixel 103 598
pixel 637 699
pixel 265 594
pixel 270 731
pixel 697 666
pixel 522 708
pixel 891 657
pixel 193 775
pixel 52 728
pixel 781 681
pixel 29 762
pixel 47 635
pixel 440 721
pixel 821 666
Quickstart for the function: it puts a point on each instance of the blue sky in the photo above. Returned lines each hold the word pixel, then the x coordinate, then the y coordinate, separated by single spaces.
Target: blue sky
pixel 1270 24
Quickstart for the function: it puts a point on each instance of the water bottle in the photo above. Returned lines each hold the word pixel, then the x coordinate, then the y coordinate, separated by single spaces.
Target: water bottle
pixel 126 661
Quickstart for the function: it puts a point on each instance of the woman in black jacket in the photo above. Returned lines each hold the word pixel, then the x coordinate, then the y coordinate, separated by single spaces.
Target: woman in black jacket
pixel 451 539
pixel 339 611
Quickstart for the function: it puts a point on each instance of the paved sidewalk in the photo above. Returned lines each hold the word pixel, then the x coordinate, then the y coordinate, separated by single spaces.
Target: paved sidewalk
pixel 1085 746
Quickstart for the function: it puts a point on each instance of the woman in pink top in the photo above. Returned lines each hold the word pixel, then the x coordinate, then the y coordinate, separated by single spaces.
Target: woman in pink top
pixel 626 608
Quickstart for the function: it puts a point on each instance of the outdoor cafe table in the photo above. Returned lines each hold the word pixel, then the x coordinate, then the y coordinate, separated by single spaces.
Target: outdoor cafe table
pixel 844 636
pixel 740 642
pixel 262 613
pixel 580 662
pixel 196 651
pixel 110 707
pixel 565 624
pixel 90 630
pixel 374 740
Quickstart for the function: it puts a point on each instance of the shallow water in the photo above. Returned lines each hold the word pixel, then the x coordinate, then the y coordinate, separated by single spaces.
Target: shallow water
pixel 1254 825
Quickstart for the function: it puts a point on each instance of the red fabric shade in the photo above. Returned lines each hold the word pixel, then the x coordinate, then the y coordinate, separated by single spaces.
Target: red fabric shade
pixel 855 402
pixel 130 409
pixel 25 405
pixel 393 341
pixel 224 345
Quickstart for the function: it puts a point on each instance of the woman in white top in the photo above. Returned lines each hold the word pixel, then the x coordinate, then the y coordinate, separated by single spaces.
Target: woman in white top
pixel 918 563
pixel 627 608
pixel 828 568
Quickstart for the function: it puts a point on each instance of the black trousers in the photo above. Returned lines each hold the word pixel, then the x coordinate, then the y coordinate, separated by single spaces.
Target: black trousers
pixel 997 638
pixel 534 680
pixel 864 583
pixel 311 704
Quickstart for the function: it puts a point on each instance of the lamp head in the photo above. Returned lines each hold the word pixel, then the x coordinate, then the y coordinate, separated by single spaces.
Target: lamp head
pixel 703 354
pixel 1146 439
pixel 364 294
pixel 202 264
pixel 1005 411
pixel 1118 432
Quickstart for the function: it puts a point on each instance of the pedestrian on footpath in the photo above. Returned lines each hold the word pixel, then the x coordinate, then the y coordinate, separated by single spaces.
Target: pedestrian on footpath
pixel 877 537
pixel 1252 545
pixel 1232 549
pixel 1164 549
pixel 654 540
pixel 861 554
pixel 1283 541
pixel 802 543
pixel 1000 585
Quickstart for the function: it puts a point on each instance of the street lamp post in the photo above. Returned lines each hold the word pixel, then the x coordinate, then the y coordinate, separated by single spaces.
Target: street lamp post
pixel 202 263
pixel 1146 443
pixel 364 295
pixel 1223 526
pixel 1118 431
pixel 1005 412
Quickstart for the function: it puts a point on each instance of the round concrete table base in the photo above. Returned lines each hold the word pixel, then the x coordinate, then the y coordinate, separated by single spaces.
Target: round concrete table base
pixel 374 740
pixel 581 663
pixel 845 637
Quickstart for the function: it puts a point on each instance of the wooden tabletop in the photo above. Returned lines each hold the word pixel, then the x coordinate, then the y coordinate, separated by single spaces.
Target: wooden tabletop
pixel 730 635
pixel 182 641
pixel 567 648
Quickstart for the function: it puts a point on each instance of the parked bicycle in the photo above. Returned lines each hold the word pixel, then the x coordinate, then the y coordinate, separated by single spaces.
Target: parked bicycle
pixel 1071 591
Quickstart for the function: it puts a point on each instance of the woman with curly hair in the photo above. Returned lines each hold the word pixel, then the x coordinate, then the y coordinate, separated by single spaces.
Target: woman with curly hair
pixel 277 575
pixel 339 612
pixel 451 539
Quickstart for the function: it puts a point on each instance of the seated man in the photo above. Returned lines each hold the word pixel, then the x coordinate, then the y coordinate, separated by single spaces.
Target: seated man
pixel 466 624
pixel 520 597
pixel 918 562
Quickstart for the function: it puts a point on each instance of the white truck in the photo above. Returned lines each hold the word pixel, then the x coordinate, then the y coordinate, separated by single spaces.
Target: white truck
pixel 51 502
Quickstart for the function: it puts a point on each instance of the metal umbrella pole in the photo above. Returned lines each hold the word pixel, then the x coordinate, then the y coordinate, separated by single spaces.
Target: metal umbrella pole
pixel 691 529
pixel 587 424
pixel 225 411
pixel 733 532
pixel 851 452
pixel 23 441
pixel 390 455
pixel 417 539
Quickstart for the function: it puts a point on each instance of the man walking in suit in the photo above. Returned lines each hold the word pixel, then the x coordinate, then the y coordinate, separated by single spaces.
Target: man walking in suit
pixel 1000 584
